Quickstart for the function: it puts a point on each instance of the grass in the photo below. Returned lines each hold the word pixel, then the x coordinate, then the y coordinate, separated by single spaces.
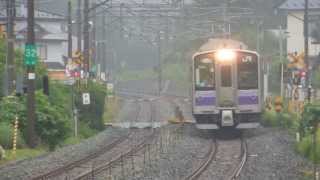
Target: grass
pixel 72 140
pixel 22 154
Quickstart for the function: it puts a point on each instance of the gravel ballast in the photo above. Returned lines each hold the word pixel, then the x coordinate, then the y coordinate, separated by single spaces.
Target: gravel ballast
pixel 271 155
pixel 29 168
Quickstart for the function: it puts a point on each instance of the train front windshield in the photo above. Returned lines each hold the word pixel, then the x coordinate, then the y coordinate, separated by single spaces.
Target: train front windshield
pixel 204 73
pixel 247 71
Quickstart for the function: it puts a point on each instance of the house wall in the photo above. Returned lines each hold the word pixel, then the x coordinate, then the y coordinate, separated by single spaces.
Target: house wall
pixel 55 52
pixel 295 41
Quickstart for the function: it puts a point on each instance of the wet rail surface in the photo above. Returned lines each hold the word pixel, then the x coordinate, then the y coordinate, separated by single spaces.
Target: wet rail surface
pixel 224 160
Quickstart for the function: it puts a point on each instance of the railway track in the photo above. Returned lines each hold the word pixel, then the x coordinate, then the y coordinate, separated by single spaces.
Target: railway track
pixel 94 172
pixel 211 158
pixel 83 164
pixel 72 165
pixel 205 164
pixel 239 167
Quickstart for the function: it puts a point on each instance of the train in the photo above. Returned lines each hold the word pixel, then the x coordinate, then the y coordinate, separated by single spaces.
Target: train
pixel 226 85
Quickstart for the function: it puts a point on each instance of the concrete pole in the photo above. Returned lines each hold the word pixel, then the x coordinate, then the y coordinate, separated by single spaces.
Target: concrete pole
pixel 281 58
pixel 86 39
pixel 31 108
pixel 79 26
pixel 11 13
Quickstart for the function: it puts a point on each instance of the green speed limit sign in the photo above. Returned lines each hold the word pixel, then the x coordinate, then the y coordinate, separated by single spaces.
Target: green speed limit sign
pixel 30 55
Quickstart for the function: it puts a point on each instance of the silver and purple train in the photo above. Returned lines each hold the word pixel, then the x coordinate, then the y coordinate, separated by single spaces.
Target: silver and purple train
pixel 226 86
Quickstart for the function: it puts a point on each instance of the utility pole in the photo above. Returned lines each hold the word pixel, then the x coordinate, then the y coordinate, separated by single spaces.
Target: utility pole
pixel 103 48
pixel 159 63
pixel 73 113
pixel 79 24
pixel 93 41
pixel 69 31
pixel 306 47
pixel 281 58
pixel 121 20
pixel 31 116
pixel 11 13
pixel 86 39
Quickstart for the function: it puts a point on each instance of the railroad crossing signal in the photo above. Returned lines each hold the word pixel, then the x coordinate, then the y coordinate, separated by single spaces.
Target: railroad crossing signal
pixel 30 55
pixel 278 104
pixel 77 57
pixel 297 61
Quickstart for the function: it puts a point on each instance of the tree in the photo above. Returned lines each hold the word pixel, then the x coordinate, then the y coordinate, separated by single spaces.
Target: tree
pixel 52 124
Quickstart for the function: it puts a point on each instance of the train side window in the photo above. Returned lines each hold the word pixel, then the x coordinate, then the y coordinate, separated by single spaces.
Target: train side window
pixel 226 78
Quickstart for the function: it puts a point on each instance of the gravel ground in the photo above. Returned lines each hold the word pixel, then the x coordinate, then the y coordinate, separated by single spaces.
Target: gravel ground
pixel 175 158
pixel 180 157
pixel 271 156
pixel 28 168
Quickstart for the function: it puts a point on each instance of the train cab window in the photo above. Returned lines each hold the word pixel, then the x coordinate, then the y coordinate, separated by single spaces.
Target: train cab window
pixel 226 78
pixel 204 74
pixel 248 71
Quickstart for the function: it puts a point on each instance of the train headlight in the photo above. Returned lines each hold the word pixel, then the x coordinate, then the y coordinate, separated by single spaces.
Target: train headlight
pixel 225 55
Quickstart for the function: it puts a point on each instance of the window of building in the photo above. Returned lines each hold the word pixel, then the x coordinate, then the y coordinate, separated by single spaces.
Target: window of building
pixel 42 52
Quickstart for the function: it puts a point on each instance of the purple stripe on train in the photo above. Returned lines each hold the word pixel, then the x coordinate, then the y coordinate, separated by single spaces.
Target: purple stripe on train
pixel 205 101
pixel 248 100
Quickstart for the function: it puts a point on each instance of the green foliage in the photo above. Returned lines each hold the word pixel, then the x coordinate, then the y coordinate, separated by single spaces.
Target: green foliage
pixel 305 147
pixel 282 119
pixel 92 114
pixel 22 154
pixel 61 97
pixel 12 107
pixel 52 126
pixel 52 122
pixel 309 126
pixel 85 131
pixel 269 118
pixel 72 140
pixel 310 117
pixel 6 136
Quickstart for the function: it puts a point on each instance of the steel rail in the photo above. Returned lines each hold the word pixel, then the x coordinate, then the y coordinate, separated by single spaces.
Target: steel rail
pixel 109 164
pixel 131 151
pixel 75 164
pixel 240 166
pixel 210 156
